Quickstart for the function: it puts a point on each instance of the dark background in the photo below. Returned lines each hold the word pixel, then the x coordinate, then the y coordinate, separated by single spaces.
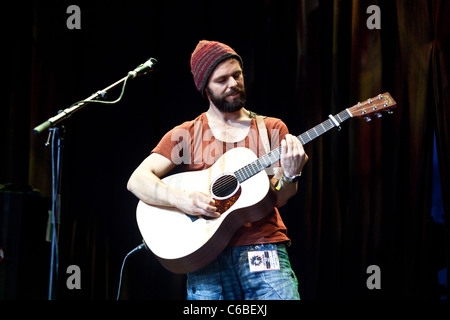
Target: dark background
pixel 369 194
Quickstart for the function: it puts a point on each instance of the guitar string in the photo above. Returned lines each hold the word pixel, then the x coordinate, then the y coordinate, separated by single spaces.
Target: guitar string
pixel 222 185
pixel 228 179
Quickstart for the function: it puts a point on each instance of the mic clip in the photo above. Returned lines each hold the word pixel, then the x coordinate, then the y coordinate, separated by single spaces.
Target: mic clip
pixel 144 68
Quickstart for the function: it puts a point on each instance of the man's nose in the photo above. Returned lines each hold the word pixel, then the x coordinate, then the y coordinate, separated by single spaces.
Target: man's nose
pixel 232 82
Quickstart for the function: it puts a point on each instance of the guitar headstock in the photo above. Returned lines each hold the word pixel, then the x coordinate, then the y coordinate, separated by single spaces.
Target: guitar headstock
pixel 375 105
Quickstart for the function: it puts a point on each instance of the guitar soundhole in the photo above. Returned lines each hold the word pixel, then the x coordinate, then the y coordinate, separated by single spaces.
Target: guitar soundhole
pixel 224 186
pixel 225 190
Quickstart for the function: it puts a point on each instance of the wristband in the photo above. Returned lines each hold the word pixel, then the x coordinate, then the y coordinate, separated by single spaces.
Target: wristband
pixel 288 180
pixel 291 179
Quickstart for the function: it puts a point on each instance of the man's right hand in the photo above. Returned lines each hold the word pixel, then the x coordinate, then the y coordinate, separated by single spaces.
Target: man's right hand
pixel 197 204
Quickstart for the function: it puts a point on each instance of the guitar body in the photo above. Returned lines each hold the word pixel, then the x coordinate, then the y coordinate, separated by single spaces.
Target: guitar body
pixel 185 244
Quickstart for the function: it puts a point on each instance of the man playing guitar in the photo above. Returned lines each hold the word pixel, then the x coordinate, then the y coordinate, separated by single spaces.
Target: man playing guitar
pixel 255 264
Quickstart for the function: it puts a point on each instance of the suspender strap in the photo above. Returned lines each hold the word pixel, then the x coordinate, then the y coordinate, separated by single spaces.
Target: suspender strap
pixel 263 132
pixel 262 129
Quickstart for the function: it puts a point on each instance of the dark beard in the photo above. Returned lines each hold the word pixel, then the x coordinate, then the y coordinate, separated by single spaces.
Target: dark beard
pixel 225 106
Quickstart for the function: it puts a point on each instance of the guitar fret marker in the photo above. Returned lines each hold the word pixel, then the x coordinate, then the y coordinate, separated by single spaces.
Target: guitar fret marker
pixel 315 131
pixel 308 136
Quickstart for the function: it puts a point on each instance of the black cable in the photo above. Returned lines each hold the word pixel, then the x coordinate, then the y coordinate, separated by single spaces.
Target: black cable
pixel 103 93
pixel 139 247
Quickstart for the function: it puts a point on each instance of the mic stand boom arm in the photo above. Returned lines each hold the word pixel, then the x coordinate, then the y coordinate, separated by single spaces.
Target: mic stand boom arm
pixel 66 113
pixel 148 66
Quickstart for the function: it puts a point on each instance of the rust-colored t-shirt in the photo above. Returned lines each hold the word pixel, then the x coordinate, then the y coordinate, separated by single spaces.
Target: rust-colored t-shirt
pixel 198 135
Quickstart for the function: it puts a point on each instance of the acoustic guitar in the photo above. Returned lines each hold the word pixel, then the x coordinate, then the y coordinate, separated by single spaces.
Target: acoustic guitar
pixel 241 189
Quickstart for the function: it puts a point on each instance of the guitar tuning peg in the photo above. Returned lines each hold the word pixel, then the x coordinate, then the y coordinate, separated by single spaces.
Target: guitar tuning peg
pixel 368 119
pixel 389 111
pixel 379 115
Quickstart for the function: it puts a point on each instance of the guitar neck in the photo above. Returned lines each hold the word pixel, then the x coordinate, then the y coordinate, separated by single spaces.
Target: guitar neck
pixel 323 127
pixel 273 156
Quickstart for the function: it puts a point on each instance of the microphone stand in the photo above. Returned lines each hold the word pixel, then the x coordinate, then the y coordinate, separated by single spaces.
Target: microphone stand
pixel 56 137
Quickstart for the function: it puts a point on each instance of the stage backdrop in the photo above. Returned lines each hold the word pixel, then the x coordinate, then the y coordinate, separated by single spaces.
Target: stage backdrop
pixel 365 196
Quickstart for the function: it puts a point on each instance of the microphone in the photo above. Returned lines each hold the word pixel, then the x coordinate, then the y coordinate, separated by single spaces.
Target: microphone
pixel 146 67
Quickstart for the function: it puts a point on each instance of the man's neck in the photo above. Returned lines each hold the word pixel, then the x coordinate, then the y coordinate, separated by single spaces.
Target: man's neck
pixel 229 118
pixel 229 127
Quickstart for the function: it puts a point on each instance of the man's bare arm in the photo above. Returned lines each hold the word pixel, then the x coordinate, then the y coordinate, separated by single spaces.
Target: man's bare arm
pixel 146 185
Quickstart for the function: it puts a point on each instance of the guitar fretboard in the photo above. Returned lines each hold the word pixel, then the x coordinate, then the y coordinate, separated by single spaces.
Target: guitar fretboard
pixel 273 156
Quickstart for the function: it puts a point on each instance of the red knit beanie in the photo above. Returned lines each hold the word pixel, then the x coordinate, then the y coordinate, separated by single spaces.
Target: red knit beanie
pixel 206 56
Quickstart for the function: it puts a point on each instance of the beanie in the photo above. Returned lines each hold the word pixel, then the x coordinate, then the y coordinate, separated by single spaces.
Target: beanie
pixel 206 56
